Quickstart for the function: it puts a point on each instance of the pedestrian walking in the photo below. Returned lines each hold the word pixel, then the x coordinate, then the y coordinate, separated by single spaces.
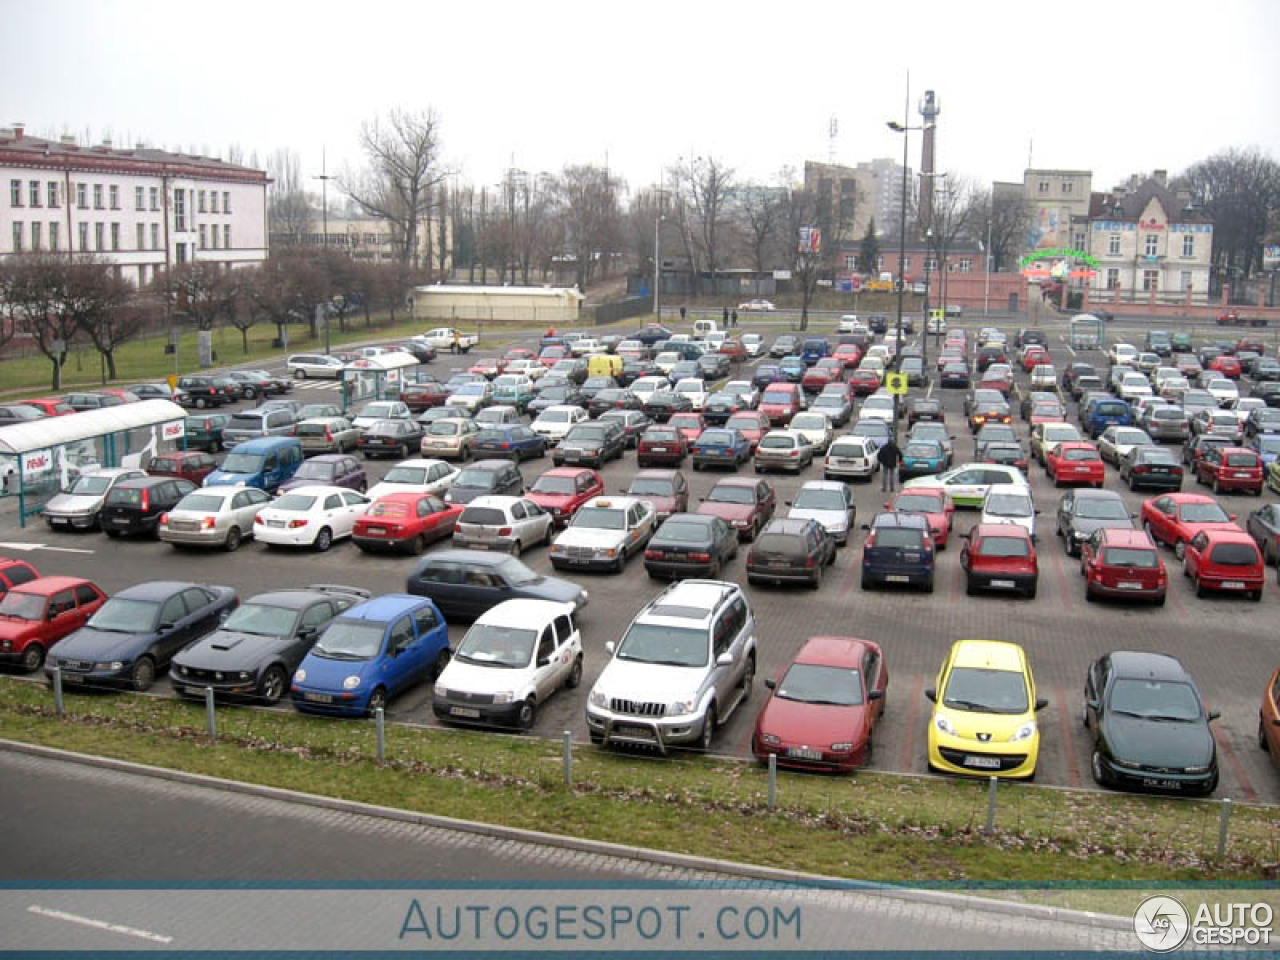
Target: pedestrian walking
pixel 726 316
pixel 683 312
pixel 733 319
pixel 889 456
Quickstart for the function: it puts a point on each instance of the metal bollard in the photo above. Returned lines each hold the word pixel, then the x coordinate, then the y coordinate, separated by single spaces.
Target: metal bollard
pixel 380 720
pixel 57 692
pixel 211 719
pixel 773 780
pixel 1224 820
pixel 991 805
pixel 568 759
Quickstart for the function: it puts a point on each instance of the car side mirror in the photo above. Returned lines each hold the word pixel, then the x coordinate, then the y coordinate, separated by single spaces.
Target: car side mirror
pixel 875 694
pixel 1041 703
pixel 1093 705
pixel 771 684
pixel 167 626
pixel 866 526
pixel 1214 714
pixel 608 646
pixel 724 660
pixel 932 694
pixel 306 633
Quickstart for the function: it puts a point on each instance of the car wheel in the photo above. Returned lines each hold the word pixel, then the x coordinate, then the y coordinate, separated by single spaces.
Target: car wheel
pixel 1256 596
pixel 1031 591
pixel 1098 770
pixel 516 548
pixel 574 679
pixel 970 586
pixel 232 543
pixel 143 674
pixel 32 658
pixel 748 678
pixel 696 466
pixel 708 730
pixel 272 686
pixel 417 545
pixel 1217 485
pixel 323 540
pixel 300 374
pixel 1262 736
pixel 527 714
pixel 112 533
pixel 1199 585
pixel 377 701
pixel 928 585
pixel 250 393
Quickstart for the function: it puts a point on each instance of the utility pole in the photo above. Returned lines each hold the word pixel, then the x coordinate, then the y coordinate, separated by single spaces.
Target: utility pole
pixel 324 179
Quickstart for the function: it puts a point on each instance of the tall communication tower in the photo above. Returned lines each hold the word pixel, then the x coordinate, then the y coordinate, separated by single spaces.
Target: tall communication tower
pixel 929 110
pixel 833 129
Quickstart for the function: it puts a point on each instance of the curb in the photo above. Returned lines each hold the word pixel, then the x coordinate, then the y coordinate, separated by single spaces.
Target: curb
pixel 774 875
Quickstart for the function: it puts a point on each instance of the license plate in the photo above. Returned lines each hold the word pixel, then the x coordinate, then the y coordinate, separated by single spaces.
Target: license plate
pixel 804 753
pixel 1162 784
pixel 1008 584
pixel 778 565
pixel 318 697
pixel 897 578
pixel 660 450
pixel 1232 584
pixel 275 523
pixel 464 712
pixel 986 763
pixel 377 531
pixel 1159 469
pixel 1129 586
pixel 628 731
pixel 581 561
pixel 72 678
pixel 1243 473
pixel 59 521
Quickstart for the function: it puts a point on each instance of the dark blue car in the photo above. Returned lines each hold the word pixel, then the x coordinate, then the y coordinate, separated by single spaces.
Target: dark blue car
pixel 511 441
pixel 899 550
pixel 720 447
pixel 371 653
pixel 766 374
pixel 814 349
pixel 137 632
pixel 792 369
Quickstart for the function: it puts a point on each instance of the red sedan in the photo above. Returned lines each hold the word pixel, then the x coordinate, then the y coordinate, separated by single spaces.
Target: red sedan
pixel 1226 365
pixel 934 504
pixel 734 350
pixel 848 353
pixel 690 425
pixel 815 379
pixel 998 381
pixel 999 556
pixel 864 382
pixel 562 490
pixel 1230 468
pixel 184 464
pixel 51 406
pixel 1033 358
pixel 36 615
pixel 519 353
pixel 822 713
pixel 1072 463
pixel 488 368
pixel 550 356
pixel 1048 411
pixel 1175 518
pixel 1124 564
pixel 1224 561
pixel 406 522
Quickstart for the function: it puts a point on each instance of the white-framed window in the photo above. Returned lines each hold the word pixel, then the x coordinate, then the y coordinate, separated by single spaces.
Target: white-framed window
pixel 1044 186
pixel 1151 244
pixel 84 237
pixel 1150 280
pixel 931 262
pixel 33 192
pixel 204 241
pixel 1113 278
pixel 82 196
pixel 54 238
pixel 180 210
pixel 879 262
pixel 15 193
pixel 226 235
pixel 141 238
pixel 115 236
pixel 35 235
pixel 1113 245
pixel 99 236
pixel 155 236
pixel 965 265
pixel 1079 244
pixel 906 264
pixel 53 193
pixel 226 201
pixel 201 206
pixel 155 198
pixel 114 193
pixel 17 236
pixel 1068 186
pixel 180 252
pixel 1188 244
pixel 139 198
pixel 850 261
pixel 1185 284
pixel 97 196
pixel 213 201
pixel 214 232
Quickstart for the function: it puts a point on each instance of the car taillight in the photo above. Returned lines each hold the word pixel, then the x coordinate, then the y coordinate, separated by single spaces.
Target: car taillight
pixel 146 501
pixel 793 453
pixel 295 524
pixel 208 523
pixel 1142 469
pixel 653 554
pixel 258 520
pixel 504 532
pixel 164 519
pixel 700 557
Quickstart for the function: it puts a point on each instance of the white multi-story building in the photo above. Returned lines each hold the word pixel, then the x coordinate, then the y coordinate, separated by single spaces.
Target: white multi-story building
pixel 141 209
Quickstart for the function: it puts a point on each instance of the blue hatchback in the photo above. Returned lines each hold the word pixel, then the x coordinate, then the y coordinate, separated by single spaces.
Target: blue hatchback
pixel 720 447
pixel 814 349
pixel 922 458
pixel 765 375
pixel 371 653
pixel 509 441
pixel 899 549
pixel 792 369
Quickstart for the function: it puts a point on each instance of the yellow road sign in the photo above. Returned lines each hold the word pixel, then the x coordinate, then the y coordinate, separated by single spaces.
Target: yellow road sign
pixel 896 383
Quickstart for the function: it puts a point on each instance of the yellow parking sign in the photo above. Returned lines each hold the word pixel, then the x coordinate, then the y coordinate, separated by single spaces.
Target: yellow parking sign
pixel 896 383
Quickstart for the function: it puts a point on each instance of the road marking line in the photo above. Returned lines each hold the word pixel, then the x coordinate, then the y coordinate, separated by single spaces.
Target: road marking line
pixel 28 547
pixel 1073 769
pixel 1229 752
pixel 98 924
pixel 917 693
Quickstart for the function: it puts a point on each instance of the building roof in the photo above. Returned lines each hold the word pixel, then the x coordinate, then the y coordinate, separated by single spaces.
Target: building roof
pixel 1135 201
pixel 53 431
pixel 462 289
pixel 18 149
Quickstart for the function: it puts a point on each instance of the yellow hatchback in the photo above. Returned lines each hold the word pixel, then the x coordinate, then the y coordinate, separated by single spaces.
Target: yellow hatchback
pixel 984 715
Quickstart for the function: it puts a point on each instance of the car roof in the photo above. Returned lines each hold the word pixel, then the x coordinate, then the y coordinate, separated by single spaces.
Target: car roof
pixel 267 444
pixel 292 599
pixel 1011 530
pixel 317 490
pixel 1087 494
pixel 609 502
pixel 1133 664
pixel 403 496
pixel 1228 535
pixel 385 608
pixel 736 482
pixel 139 482
pixel 905 520
pixel 830 651
pixel 992 654
pixel 44 586
pixel 489 465
pixel 1126 537
pixel 154 589
pixel 789 526
pixel 688 600
pixel 524 612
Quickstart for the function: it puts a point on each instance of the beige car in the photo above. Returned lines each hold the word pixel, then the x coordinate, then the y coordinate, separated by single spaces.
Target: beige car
pixel 326 435
pixel 213 517
pixel 450 438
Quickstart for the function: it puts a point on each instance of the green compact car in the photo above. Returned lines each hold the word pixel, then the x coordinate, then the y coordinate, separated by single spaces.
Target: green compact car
pixel 204 432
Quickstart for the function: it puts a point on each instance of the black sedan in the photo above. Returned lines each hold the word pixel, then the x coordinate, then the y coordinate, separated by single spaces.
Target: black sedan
pixel 720 407
pixel 1081 512
pixel 591 444
pixel 791 551
pixel 137 632
pixel 567 395
pixel 663 403
pixel 1149 724
pixel 392 438
pixel 253 383
pixel 1264 526
pixel 924 408
pixel 954 375
pixel 1151 467
pixel 690 545
pixel 633 423
pixel 257 648
pixel 613 398
pixel 466 583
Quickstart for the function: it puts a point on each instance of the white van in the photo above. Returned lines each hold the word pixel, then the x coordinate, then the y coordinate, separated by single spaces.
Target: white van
pixel 703 327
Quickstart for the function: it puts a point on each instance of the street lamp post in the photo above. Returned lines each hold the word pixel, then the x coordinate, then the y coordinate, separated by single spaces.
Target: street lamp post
pixel 657 265
pixel 928 264
pixel 986 291
pixel 324 179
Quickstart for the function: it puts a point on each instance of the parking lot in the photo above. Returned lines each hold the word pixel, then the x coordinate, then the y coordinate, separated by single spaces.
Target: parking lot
pixel 1225 643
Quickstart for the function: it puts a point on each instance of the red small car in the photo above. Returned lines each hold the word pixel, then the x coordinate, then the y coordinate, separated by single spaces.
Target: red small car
pixel 519 353
pixel 490 368
pixel 562 490
pixel 752 423
pixel 1034 357
pixel 998 381
pixel 128 396
pixel 550 356
pixel 1226 365
pixel 184 464
pixel 1227 561
pixel 14 573
pixel 1175 518
pixel 423 396
pixel 998 556
pixel 815 379
pixel 823 710
pixel 1122 563
pixel 780 402
pixel 1250 344
pixel 36 615
pixel 51 406
pixel 746 504
pixel 405 522
pixel 936 506
pixel 864 382
pixel 734 350
pixel 667 490
pixel 661 445
pixel 1077 462
pixel 690 425
pixel 1231 468
pixel 1049 411
pixel 848 353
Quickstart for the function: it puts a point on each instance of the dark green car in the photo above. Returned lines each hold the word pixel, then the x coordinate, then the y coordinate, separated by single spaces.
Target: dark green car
pixel 205 432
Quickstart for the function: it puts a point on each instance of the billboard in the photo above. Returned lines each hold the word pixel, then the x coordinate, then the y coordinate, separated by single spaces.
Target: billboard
pixel 1271 258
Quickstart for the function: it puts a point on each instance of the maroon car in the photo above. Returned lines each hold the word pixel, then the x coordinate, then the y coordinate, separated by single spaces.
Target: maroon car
pixel 560 491
pixel 661 444
pixel 667 490
pixel 745 503
pixel 423 396
pixel 330 470
pixel 823 711
pixel 184 464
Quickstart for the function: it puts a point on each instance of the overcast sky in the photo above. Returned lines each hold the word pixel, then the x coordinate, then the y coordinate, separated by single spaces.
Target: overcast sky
pixel 1116 87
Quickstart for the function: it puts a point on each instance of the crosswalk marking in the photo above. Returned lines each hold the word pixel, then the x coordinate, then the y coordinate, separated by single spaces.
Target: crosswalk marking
pixel 332 386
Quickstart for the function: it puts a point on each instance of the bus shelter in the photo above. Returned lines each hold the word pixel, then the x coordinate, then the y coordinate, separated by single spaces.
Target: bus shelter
pixel 1087 332
pixel 377 378
pixel 42 457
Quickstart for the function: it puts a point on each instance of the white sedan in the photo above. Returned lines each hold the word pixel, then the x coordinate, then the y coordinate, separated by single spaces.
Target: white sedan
pixel 1115 442
pixel 555 422
pixel 815 428
pixel 310 517
pixel 370 413
pixel 878 406
pixel 693 388
pixel 753 343
pixel 1224 391
pixel 752 305
pixel 418 475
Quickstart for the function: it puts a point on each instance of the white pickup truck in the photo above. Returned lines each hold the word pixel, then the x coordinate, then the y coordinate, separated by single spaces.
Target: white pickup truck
pixel 448 338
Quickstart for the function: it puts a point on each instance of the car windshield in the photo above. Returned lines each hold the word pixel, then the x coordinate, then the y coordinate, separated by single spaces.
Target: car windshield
pixel 1269 443
pixel 487 645
pixel 817 683
pixel 443 428
pixel 661 644
pixel 731 494
pixel 350 640
pixel 1242 460
pixel 715 437
pixel 921 450
pixel 918 503
pixel 600 518
pixel 652 487
pixel 743 423
pixel 241 463
pixel 776 442
pixel 1155 700
pixel 415 475
pixel 261 619
pixel 206 502
pixel 1235 555
pixel 556 485
pixel 293 502
pixel 819 499
pixel 1008 505
pixel 314 470
pixel 1130 557
pixel 1081 454
pixel 684 531
pixel 1061 432
pixel 123 615
pixel 22 606
pixel 986 691
pixel 1101 508
pixel 476 479
pixel 554 416
pixel 877 403
pixel 590 432
pixel 378 410
pixel 661 436
pixel 1203 513
pixel 471 389
pixel 1004 547
pixel 808 421
pixel 87 486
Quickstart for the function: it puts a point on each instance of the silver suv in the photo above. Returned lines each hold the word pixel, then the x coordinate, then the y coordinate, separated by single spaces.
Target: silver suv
pixel 258 422
pixel 686 662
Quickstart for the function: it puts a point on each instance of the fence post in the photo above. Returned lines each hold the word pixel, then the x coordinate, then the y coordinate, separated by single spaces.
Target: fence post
pixel 57 692
pixel 568 758
pixel 773 780
pixel 991 805
pixel 380 721
pixel 1224 820
pixel 211 720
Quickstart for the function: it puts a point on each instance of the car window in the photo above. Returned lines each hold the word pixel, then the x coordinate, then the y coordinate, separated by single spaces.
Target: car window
pixel 353 499
pixel 85 594
pixel 563 627
pixel 333 501
pixel 196 599
pixel 439 572
pixel 546 644
pixel 173 610
pixel 241 499
pixel 479 578
pixel 401 634
pixel 518 511
pixel 425 620
pixel 19 574
pixel 317 615
pixel 62 602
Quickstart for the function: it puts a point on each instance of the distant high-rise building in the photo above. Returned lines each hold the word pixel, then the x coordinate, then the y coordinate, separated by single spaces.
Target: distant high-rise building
pixel 859 193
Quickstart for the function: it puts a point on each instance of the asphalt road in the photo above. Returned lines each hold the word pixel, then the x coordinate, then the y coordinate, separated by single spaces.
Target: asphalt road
pixel 232 872
pixel 1226 643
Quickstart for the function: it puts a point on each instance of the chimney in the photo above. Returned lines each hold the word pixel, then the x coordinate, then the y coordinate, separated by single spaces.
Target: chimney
pixel 106 143
pixel 18 129
pixel 1161 177
pixel 67 140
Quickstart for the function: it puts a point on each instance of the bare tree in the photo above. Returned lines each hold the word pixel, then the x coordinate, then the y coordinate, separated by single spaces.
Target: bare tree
pixel 1009 217
pixel 289 214
pixel 703 186
pixel 199 290
pixel 802 231
pixel 758 213
pixel 591 215
pixel 1240 190
pixel 103 306
pixel 34 288
pixel 399 184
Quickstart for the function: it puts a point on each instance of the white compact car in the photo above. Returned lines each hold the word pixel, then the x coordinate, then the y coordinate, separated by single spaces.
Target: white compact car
pixel 555 422
pixel 604 534
pixel 1224 391
pixel 851 457
pixel 847 323
pixel 829 502
pixel 415 476
pixel 309 517
pixel 502 522
pixel 646 387
pixel 471 396
pixel 370 413
pixel 878 406
pixel 693 388
pixel 815 427
pixel 514 657
pixel 753 343
pixel 1010 503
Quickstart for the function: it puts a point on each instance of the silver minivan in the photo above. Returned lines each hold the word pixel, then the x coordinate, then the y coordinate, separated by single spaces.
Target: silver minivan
pixel 255 423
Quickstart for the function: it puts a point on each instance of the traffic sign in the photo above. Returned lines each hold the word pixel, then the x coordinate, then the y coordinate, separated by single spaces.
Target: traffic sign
pixel 896 383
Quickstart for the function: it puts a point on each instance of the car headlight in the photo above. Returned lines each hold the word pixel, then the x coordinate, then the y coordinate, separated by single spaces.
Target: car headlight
pixel 1203 769
pixel 440 690
pixel 841 747
pixel 110 665
pixel 351 682
pixel 244 674
pixel 1125 763
pixel 1079 535
pixel 771 739
pixel 182 671
pixel 504 696
pixel 299 675
pixel 606 552
pixel 598 699
pixel 944 725
pixel 681 708
pixel 556 548
pixel 1024 732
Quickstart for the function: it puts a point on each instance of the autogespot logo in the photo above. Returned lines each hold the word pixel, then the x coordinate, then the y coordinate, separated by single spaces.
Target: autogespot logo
pixel 1161 924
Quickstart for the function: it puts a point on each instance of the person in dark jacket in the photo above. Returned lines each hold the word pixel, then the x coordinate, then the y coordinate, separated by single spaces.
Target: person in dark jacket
pixel 889 456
